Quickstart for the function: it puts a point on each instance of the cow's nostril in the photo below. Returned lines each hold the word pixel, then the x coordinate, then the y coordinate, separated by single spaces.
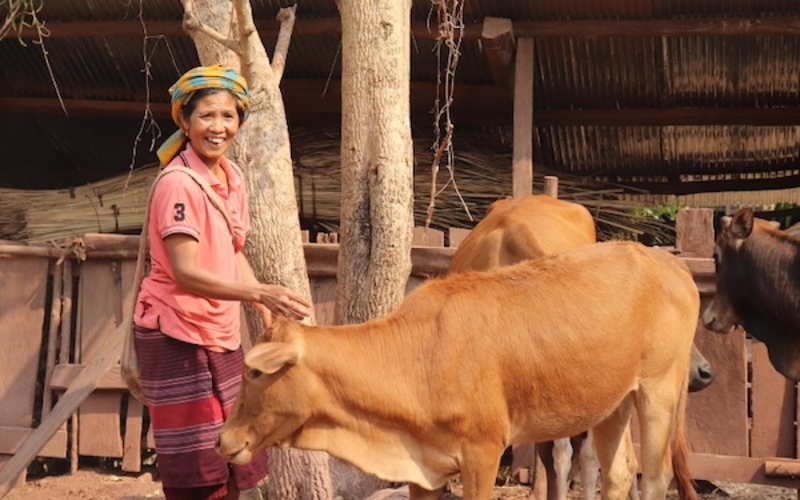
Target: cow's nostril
pixel 707 373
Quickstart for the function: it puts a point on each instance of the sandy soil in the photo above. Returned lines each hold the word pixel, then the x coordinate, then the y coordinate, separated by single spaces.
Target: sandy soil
pixel 102 483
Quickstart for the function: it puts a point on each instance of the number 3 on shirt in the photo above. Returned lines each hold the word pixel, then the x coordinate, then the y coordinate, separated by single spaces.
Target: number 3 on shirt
pixel 180 212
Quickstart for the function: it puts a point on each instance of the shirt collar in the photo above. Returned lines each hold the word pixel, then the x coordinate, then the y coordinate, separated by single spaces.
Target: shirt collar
pixel 196 164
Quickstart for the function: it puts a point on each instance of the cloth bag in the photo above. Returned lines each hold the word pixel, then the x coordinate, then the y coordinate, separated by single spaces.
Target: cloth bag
pixel 129 362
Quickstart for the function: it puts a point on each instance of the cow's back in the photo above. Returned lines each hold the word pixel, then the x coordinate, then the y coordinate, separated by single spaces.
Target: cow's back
pixel 521 229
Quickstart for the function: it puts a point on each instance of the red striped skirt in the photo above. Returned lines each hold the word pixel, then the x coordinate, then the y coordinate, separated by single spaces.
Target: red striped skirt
pixel 189 391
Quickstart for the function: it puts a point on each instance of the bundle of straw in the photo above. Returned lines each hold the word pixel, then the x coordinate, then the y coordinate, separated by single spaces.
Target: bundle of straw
pixel 115 205
pixel 479 176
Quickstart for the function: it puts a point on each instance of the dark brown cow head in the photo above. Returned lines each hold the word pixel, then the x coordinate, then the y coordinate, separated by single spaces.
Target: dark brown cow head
pixel 758 287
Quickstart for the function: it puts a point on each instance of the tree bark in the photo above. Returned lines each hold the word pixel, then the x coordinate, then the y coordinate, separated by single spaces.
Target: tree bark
pixel 262 149
pixel 376 222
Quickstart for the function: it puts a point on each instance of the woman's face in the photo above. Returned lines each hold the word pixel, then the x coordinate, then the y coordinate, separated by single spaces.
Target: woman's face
pixel 212 126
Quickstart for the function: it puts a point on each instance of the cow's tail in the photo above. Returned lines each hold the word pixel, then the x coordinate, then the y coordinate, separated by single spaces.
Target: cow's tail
pixel 680 453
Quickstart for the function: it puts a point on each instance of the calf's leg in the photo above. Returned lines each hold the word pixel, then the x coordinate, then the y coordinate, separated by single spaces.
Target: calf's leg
pixel 479 472
pixel 562 462
pixel 614 447
pixel 588 464
pixel 656 407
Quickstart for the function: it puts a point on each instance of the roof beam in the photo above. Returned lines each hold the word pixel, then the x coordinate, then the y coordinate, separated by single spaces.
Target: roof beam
pixel 713 186
pixel 476 105
pixel 583 28
pixel 497 38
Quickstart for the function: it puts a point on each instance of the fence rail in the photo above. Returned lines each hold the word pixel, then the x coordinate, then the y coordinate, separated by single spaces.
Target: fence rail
pixel 59 311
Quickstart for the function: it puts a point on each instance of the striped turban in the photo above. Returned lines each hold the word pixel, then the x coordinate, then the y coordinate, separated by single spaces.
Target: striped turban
pixel 199 78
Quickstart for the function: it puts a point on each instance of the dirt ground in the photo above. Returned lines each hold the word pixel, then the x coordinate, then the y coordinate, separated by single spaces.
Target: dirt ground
pixel 103 483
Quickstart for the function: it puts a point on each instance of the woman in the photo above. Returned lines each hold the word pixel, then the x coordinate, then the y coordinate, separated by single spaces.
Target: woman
pixel 187 313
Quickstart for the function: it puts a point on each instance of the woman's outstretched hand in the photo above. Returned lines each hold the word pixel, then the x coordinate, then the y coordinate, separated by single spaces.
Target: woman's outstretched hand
pixel 284 301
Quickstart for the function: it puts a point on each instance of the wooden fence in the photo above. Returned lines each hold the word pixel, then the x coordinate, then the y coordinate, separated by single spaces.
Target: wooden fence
pixel 58 312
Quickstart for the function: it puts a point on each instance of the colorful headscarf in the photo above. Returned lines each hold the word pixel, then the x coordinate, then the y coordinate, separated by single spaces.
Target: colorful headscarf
pixel 201 77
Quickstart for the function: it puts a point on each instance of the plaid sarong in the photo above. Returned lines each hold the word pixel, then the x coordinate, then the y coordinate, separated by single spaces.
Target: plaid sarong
pixel 189 391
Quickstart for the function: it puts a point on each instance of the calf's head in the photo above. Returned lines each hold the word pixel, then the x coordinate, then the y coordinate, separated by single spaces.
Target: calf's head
pixel 271 405
pixel 746 256
pixel 723 312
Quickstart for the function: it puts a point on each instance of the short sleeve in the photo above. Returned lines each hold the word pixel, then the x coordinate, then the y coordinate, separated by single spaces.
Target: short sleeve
pixel 177 207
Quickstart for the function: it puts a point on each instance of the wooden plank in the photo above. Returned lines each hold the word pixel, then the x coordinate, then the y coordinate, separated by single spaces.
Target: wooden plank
pixel 100 314
pixel 773 405
pixel 11 439
pixel 456 235
pixel 149 440
pixel 132 454
pixel 12 482
pixel 736 469
pixel 77 393
pixel 52 334
pixel 66 354
pixel 65 374
pixel 776 467
pixel 539 28
pixel 427 237
pixel 694 232
pixel 22 313
pixel 706 431
pixel 497 40
pixel 323 296
pixel 522 155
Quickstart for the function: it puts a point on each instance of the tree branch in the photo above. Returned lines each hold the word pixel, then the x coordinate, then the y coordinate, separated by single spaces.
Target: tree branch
pixel 286 16
pixel 191 25
pixel 248 37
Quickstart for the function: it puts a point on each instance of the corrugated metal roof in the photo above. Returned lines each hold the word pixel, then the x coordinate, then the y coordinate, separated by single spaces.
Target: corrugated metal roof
pixel 621 72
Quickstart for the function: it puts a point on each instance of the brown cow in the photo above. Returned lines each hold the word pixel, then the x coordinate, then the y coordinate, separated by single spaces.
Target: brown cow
pixel 530 227
pixel 522 229
pixel 475 362
pixel 758 287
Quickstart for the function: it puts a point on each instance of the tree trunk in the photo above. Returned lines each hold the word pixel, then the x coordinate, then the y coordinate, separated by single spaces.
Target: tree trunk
pixel 376 222
pixel 274 247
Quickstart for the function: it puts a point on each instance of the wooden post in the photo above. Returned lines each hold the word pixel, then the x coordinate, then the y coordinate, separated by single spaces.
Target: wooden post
pixel 497 39
pixel 52 335
pixel 522 162
pixel 551 185
pixel 694 232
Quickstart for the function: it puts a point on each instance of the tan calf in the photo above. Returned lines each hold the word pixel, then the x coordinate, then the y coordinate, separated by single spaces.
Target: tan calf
pixel 475 362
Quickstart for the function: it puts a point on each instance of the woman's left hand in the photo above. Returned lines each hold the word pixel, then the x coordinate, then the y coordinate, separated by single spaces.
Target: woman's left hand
pixel 283 301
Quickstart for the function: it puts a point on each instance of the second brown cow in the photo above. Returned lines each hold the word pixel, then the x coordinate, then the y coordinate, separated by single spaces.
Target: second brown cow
pixel 534 226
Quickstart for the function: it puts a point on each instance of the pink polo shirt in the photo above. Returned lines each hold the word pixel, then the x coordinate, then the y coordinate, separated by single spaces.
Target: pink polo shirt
pixel 180 206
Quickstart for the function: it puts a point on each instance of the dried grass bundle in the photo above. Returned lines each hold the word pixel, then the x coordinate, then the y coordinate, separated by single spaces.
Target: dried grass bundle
pixel 114 205
pixel 481 174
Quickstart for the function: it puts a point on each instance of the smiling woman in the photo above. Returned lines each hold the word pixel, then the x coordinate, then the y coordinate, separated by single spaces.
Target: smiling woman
pixel 187 314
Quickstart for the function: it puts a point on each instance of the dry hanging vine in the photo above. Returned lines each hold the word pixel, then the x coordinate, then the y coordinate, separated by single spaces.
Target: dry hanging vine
pixel 23 15
pixel 450 27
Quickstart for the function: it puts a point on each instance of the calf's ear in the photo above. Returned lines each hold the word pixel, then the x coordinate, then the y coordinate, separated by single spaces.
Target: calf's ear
pixel 742 223
pixel 269 357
